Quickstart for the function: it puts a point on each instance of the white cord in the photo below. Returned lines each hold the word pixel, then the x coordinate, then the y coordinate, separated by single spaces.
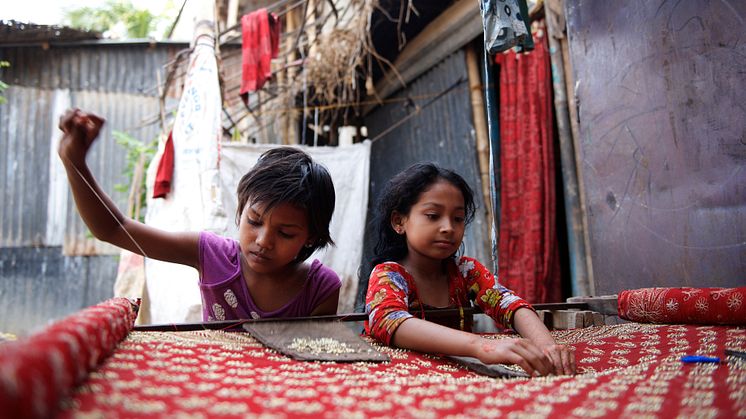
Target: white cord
pixel 110 211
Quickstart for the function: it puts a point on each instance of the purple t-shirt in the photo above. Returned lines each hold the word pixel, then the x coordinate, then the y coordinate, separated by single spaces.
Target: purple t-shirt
pixel 225 295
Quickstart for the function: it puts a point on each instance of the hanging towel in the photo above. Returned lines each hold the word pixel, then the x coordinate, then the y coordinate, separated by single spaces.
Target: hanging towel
pixel 162 185
pixel 260 43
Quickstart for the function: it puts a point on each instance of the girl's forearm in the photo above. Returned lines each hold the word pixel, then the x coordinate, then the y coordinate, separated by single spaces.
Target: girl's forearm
pixel 529 326
pixel 424 336
pixel 92 202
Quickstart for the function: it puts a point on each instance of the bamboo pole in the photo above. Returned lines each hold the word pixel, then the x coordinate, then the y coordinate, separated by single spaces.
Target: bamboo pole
pixel 480 130
pixel 290 118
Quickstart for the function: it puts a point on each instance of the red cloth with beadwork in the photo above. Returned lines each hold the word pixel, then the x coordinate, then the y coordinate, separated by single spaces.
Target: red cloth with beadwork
pixel 684 305
pixel 392 295
pixel 38 371
pixel 629 370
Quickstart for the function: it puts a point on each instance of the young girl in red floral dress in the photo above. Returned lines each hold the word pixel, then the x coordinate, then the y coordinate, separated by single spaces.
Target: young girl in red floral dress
pixel 422 215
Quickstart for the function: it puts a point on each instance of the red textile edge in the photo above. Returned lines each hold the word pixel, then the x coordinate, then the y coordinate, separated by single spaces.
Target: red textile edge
pixel 38 371
pixel 706 306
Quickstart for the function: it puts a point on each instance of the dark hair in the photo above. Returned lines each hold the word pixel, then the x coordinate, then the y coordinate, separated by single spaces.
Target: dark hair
pixel 287 175
pixel 400 194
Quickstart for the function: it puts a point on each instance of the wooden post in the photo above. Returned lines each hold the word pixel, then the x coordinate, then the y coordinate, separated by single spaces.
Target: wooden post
pixel 480 130
pixel 290 118
pixel 581 284
pixel 572 107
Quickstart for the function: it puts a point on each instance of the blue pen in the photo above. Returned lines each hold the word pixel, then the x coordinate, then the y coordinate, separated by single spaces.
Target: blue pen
pixel 698 358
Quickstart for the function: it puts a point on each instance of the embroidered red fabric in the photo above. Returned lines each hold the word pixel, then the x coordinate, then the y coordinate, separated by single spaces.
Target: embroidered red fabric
pixel 628 370
pixel 684 305
pixel 528 254
pixel 36 372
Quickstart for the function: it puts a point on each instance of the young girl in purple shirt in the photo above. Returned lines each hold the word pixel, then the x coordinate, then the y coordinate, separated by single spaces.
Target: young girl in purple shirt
pixel 285 204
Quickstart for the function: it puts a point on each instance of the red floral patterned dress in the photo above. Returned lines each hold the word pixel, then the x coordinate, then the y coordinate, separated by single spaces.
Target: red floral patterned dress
pixel 392 294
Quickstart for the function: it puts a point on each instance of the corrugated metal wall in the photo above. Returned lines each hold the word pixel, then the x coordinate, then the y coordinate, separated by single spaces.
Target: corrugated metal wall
pixel 442 132
pixel 107 67
pixel 661 93
pixel 37 216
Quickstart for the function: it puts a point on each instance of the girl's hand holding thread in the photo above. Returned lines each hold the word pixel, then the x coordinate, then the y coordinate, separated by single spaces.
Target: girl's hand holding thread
pixel 520 352
pixel 79 129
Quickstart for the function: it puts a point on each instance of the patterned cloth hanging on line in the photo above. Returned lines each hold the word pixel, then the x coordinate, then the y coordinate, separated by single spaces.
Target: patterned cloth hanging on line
pixel 506 25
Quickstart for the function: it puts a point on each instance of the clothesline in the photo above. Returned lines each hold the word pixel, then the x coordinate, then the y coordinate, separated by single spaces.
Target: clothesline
pixel 270 8
pixel 174 71
pixel 314 80
pixel 326 107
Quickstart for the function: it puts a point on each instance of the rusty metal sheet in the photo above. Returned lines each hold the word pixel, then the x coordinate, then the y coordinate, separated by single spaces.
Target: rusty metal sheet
pixel 661 91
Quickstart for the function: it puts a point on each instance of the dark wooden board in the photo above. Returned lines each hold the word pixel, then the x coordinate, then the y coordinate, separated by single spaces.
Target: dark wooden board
pixel 310 340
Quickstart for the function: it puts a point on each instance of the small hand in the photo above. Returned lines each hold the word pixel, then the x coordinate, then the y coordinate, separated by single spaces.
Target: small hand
pixel 516 351
pixel 562 357
pixel 79 130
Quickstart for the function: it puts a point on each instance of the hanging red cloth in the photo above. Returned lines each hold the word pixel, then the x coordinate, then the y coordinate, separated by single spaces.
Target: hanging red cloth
pixel 260 43
pixel 528 256
pixel 165 172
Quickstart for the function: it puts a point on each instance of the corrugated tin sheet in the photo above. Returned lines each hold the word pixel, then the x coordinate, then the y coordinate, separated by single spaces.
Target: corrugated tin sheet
pixel 116 81
pixel 37 216
pixel 24 164
pixel 40 285
pixel 442 132
pixel 661 94
pixel 31 169
pixel 98 67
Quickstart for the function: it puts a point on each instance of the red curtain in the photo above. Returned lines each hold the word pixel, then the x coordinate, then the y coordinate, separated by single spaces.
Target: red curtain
pixel 528 255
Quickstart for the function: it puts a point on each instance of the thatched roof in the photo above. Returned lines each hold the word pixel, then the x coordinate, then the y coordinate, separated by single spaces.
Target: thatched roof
pixel 14 32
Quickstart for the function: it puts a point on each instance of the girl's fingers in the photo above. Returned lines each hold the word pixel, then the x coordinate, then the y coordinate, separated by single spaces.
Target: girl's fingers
pixel 66 120
pixel 568 361
pixel 523 363
pixel 556 357
pixel 535 357
pixel 97 120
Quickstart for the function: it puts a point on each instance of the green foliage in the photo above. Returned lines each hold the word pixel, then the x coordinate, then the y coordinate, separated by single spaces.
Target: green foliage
pixel 3 85
pixel 134 149
pixel 137 23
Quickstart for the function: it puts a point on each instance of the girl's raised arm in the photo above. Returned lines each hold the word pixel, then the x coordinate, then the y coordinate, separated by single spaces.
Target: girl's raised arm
pixel 100 213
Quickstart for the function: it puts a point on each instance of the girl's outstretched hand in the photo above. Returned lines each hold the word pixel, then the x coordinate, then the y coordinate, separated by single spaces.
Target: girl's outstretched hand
pixel 79 129
pixel 520 352
pixel 562 357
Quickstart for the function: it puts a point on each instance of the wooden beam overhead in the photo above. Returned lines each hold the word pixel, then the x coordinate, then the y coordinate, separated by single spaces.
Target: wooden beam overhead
pixel 454 28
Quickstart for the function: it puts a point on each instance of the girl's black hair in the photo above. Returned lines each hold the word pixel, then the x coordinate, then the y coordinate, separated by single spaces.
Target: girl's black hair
pixel 400 194
pixel 287 175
